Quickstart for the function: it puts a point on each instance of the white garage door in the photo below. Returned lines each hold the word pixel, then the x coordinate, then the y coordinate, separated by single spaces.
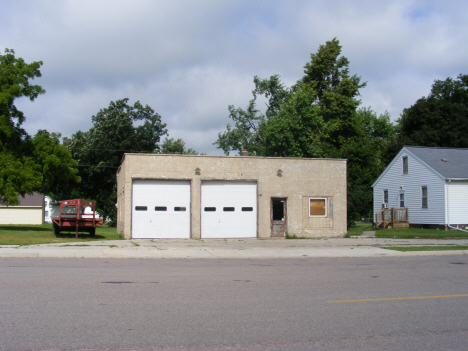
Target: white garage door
pixel 161 209
pixel 229 209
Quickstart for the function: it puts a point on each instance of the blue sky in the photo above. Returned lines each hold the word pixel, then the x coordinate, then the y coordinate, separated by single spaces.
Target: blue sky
pixel 189 60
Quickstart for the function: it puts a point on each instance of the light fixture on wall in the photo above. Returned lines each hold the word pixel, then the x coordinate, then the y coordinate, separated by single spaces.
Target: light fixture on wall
pixel 279 173
pixel 197 171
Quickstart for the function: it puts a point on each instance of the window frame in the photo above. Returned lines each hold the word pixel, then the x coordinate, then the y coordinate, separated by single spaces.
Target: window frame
pixel 385 196
pixel 405 164
pixel 424 197
pixel 399 199
pixel 326 207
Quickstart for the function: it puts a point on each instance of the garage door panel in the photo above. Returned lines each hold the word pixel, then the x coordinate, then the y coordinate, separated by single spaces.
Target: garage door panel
pixel 229 209
pixel 161 209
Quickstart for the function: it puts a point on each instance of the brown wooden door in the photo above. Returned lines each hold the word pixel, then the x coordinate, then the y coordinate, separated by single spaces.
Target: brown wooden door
pixel 278 217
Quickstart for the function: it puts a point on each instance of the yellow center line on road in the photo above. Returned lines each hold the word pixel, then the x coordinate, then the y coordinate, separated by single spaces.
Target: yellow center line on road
pixel 400 298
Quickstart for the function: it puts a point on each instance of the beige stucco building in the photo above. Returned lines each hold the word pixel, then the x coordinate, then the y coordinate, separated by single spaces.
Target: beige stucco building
pixel 182 196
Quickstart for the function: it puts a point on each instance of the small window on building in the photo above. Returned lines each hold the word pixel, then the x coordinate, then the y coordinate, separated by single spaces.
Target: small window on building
pixel 141 208
pixel 160 208
pixel 228 209
pixel 180 209
pixel 424 196
pixel 385 196
pixel 247 209
pixel 317 207
pixel 210 209
pixel 405 164
pixel 402 200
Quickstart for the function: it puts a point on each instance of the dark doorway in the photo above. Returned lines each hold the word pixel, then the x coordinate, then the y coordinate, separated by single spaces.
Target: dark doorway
pixel 278 217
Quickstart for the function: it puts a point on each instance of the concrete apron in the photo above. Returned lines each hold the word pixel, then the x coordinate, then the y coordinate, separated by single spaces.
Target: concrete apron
pixel 232 248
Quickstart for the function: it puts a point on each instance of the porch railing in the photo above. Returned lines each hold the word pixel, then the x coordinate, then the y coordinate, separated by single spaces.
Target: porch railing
pixel 390 216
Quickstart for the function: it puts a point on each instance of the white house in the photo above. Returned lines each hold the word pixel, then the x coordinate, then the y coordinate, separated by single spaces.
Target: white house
pixel 431 182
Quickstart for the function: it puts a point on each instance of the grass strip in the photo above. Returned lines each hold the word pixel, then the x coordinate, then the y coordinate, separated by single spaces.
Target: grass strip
pixel 42 234
pixel 425 248
pixel 415 233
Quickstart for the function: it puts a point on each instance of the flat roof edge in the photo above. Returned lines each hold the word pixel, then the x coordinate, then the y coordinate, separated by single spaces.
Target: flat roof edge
pixel 253 157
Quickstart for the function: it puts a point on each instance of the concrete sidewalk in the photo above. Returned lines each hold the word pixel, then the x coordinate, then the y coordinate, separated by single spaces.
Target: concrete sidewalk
pixel 231 248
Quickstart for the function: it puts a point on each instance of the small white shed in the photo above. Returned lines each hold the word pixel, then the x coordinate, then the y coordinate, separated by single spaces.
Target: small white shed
pixel 431 182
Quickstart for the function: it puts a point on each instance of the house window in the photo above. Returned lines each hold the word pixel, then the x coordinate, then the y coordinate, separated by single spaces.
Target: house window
pixel 424 196
pixel 405 164
pixel 402 200
pixel 317 207
pixel 385 196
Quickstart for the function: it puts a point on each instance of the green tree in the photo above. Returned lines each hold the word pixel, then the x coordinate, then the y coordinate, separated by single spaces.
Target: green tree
pixel 26 164
pixel 365 153
pixel 317 117
pixel 99 151
pixel 248 130
pixel 56 163
pixel 176 146
pixel 441 119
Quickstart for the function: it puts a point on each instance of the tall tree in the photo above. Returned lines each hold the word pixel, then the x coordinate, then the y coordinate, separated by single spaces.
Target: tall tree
pixel 248 129
pixel 26 164
pixel 318 117
pixel 100 150
pixel 327 74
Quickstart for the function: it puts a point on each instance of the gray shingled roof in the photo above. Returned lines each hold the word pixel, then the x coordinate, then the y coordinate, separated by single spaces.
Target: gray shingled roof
pixel 451 163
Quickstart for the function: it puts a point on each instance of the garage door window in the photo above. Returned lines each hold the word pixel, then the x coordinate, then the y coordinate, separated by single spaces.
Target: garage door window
pixel 160 208
pixel 247 209
pixel 210 209
pixel 228 209
pixel 180 209
pixel 318 207
pixel 141 208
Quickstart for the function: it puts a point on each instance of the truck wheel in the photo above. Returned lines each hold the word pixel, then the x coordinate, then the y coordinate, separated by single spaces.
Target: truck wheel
pixel 56 229
pixel 92 231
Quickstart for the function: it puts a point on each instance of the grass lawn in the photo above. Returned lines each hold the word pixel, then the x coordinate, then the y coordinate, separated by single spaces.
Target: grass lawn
pixel 415 233
pixel 426 248
pixel 358 228
pixel 42 234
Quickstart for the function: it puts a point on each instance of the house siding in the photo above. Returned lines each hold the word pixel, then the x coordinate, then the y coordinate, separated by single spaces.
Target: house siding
pixel 458 202
pixel 393 178
pixel 21 215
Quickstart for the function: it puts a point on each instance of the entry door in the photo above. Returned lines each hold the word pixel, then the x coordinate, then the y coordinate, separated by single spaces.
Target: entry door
pixel 279 225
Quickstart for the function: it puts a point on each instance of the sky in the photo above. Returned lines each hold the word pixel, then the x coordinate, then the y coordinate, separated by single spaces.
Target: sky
pixel 190 59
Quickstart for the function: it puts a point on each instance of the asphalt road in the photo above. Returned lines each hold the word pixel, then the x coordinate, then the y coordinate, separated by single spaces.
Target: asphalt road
pixel 277 304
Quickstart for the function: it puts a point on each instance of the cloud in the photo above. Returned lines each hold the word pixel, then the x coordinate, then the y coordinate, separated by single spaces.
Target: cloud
pixel 190 60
